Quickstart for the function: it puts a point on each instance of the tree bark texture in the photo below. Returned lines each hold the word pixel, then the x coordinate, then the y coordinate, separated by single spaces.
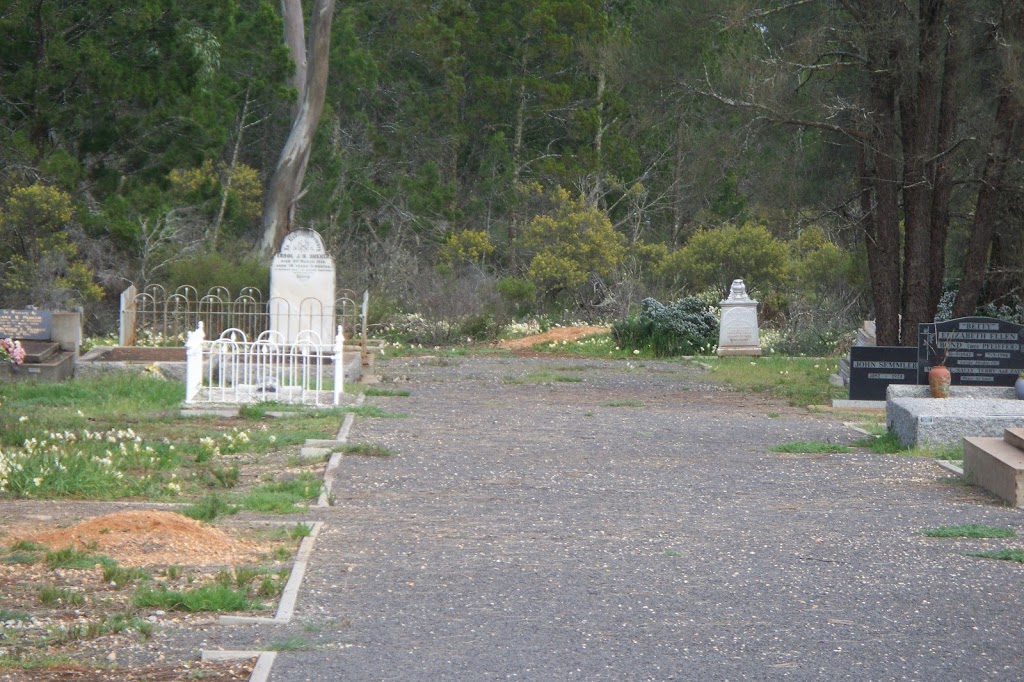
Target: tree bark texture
pixel 1005 144
pixel 286 184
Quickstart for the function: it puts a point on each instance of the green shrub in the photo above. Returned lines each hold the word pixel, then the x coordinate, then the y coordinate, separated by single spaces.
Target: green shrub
pixel 519 292
pixel 207 270
pixel 714 258
pixel 686 327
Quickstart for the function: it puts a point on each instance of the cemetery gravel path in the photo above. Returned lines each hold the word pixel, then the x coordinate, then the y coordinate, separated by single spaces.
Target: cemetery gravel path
pixel 565 519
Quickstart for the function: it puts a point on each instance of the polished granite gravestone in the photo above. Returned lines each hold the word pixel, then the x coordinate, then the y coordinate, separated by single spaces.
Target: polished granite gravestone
pixel 978 351
pixel 874 368
pixel 302 288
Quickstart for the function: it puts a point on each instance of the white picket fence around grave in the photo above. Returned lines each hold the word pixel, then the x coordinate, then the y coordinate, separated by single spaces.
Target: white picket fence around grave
pixel 233 370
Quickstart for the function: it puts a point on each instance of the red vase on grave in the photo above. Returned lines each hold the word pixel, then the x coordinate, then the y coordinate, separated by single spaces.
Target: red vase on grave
pixel 938 381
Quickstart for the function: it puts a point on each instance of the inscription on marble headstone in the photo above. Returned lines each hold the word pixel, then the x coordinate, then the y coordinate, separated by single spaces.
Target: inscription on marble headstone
pixel 979 351
pixel 33 325
pixel 873 368
pixel 302 288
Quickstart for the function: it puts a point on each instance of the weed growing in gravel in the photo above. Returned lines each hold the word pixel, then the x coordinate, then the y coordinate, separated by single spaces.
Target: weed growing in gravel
pixel 281 497
pixel 622 403
pixel 299 531
pixel 969 531
pixel 385 392
pixel 290 644
pixel 811 447
pixel 365 450
pixel 17 616
pixel 209 508
pixel 1002 555
pixel 542 377
pixel 372 411
pixel 214 597
pixel 801 381
pixel 60 596
pixel 106 626
pixel 69 557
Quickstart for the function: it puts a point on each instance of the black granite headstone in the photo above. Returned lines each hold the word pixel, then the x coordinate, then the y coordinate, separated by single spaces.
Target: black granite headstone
pixel 25 324
pixel 873 368
pixel 979 351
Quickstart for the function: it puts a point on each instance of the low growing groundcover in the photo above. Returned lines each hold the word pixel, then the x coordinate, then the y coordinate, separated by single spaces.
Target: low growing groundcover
pixel 121 436
pixel 71 596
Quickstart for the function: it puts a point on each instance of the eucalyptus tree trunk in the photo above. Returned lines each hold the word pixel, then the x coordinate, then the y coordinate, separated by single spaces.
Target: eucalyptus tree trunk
pixel 285 187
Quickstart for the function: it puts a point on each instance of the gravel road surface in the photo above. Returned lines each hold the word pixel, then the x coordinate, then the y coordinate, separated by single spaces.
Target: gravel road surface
pixel 563 519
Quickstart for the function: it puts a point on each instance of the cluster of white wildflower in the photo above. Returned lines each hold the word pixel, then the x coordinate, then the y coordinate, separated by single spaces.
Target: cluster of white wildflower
pixel 40 460
pixel 231 441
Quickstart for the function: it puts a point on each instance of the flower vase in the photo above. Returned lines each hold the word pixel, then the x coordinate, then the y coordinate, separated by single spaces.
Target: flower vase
pixel 1018 388
pixel 938 381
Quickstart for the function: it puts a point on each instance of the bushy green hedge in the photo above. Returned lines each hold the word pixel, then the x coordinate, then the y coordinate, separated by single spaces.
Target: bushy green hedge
pixel 686 327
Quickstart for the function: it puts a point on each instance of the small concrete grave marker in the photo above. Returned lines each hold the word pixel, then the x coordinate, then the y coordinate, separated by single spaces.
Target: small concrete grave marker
pixel 302 288
pixel 738 333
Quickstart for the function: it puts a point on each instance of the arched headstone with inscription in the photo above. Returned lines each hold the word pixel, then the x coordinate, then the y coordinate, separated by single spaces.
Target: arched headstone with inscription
pixel 302 288
pixel 738 333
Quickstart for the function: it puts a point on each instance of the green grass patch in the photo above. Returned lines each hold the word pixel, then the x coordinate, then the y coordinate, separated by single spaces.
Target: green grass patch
pixel 108 625
pixel 60 596
pixel 209 509
pixel 622 403
pixel 290 644
pixel 121 576
pixel 282 497
pixel 800 381
pixel 542 377
pixel 1002 555
pixel 299 531
pixel 8 614
pixel 216 597
pixel 970 530
pixel 365 450
pixel 373 391
pixel 811 447
pixel 70 557
pixel 886 444
pixel 16 660
pixel 372 411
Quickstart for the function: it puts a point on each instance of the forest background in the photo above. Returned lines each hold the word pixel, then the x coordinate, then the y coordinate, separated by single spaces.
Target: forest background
pixel 483 161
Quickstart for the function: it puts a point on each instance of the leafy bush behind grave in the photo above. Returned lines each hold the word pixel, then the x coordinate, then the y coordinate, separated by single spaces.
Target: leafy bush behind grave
pixel 686 327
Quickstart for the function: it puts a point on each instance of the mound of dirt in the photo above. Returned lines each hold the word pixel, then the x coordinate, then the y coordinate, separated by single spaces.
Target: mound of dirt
pixel 150 538
pixel 556 335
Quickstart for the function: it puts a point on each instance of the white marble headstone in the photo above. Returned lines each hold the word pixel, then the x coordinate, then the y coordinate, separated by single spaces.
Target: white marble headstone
pixel 738 332
pixel 302 288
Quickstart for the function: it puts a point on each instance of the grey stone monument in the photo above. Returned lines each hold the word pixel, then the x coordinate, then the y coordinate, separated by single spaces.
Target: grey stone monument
pixel 738 333
pixel 302 288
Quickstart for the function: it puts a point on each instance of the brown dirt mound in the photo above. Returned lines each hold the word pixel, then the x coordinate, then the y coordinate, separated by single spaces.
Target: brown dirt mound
pixel 151 538
pixel 557 334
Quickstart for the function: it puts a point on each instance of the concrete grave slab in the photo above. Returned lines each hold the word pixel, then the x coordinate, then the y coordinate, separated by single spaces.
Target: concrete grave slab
pixel 919 419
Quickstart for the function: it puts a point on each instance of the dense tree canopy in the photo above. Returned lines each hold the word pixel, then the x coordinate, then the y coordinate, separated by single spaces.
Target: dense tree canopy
pixel 592 152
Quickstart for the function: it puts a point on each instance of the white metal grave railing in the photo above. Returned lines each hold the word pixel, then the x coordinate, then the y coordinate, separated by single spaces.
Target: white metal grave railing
pixel 231 369
pixel 169 317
